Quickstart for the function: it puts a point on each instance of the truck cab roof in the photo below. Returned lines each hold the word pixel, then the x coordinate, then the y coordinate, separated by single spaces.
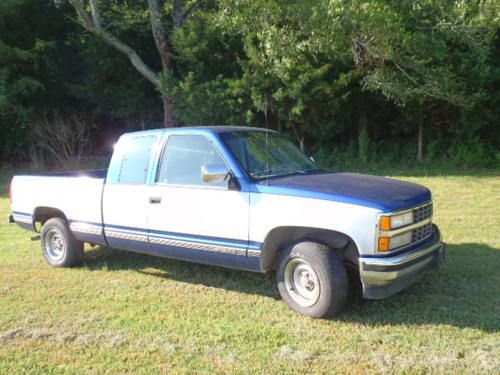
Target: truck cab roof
pixel 217 129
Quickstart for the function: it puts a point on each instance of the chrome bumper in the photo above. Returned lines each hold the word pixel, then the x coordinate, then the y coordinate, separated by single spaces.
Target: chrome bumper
pixel 383 277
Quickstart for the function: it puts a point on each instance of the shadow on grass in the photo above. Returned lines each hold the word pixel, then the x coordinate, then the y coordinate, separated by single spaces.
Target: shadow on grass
pixel 465 293
pixel 100 258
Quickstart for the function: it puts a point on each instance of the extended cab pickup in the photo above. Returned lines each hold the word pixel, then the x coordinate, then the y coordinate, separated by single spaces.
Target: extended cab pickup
pixel 243 198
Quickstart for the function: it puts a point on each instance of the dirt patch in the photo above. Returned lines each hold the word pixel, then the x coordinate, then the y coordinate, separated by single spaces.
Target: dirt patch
pixel 453 361
pixel 488 358
pixel 117 341
pixel 157 344
pixel 84 339
pixel 287 353
pixel 11 334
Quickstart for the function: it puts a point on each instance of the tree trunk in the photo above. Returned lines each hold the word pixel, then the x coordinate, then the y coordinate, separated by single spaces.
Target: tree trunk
pixel 92 22
pixel 299 135
pixel 302 144
pixel 164 50
pixel 420 145
pixel 168 119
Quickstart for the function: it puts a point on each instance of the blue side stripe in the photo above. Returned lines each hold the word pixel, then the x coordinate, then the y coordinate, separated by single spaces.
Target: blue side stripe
pixel 252 245
pixel 193 240
pixel 242 244
pixel 207 240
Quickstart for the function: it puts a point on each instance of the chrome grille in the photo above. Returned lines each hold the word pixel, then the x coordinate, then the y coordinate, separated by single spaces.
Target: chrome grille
pixel 421 233
pixel 422 213
pixel 420 229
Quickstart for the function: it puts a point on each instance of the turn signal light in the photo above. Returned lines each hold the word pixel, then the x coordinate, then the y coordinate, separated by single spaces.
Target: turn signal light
pixel 385 223
pixel 384 244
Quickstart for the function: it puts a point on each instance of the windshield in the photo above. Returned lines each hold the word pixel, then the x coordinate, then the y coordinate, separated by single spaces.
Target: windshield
pixel 267 154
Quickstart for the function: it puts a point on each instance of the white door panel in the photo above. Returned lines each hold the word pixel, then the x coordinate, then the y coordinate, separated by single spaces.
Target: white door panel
pixel 200 212
pixel 125 216
pixel 126 205
pixel 190 218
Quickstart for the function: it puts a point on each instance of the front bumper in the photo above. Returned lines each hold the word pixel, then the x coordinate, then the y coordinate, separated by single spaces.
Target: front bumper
pixel 383 277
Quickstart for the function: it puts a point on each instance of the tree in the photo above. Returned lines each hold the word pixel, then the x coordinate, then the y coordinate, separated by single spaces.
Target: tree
pixel 381 79
pixel 419 53
pixel 292 83
pixel 32 69
pixel 92 22
pixel 65 140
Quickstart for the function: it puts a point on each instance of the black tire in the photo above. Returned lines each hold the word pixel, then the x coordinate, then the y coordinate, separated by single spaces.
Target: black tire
pixel 59 246
pixel 312 280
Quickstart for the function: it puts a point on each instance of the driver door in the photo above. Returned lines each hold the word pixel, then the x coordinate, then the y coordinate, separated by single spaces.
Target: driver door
pixel 191 219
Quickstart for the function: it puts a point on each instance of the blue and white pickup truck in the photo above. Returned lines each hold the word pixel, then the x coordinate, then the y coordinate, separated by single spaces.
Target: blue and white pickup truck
pixel 244 198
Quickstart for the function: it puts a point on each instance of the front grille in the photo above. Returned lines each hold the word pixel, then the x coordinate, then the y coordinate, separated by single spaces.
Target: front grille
pixel 422 213
pixel 422 219
pixel 421 233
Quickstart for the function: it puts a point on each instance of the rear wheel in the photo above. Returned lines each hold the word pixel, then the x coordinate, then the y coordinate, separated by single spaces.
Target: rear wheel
pixel 60 248
pixel 312 280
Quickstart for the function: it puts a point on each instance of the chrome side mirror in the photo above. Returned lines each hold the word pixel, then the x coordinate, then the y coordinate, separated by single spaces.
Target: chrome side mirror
pixel 214 173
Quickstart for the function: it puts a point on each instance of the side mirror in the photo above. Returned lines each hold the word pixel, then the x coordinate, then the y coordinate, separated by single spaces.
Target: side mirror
pixel 214 173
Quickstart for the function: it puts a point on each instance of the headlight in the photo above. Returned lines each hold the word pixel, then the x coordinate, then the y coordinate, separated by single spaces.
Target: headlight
pixel 389 223
pixel 400 240
pixel 397 221
pixel 401 220
pixel 389 243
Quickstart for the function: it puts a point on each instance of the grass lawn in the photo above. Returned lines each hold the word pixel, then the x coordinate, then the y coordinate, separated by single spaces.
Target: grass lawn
pixel 128 313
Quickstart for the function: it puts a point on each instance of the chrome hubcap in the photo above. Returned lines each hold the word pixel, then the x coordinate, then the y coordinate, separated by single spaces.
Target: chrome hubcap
pixel 302 282
pixel 54 245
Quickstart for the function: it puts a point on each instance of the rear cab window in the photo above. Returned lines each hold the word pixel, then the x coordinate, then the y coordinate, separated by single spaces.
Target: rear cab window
pixel 136 159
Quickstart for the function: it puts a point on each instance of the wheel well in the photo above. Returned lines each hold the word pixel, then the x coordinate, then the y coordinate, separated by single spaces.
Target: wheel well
pixel 280 238
pixel 42 214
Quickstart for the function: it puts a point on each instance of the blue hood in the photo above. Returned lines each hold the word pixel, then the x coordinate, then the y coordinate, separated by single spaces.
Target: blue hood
pixel 382 193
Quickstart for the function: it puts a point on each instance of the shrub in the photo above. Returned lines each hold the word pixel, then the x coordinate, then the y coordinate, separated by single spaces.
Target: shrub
pixel 65 140
pixel 472 152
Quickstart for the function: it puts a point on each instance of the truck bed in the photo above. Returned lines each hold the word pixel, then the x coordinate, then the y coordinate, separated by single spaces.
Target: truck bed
pixel 77 194
pixel 95 173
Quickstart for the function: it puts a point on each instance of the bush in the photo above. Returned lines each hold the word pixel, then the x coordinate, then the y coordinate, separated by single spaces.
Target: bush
pixel 65 140
pixel 473 152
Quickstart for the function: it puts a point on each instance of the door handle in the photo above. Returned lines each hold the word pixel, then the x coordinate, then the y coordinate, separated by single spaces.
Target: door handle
pixel 154 200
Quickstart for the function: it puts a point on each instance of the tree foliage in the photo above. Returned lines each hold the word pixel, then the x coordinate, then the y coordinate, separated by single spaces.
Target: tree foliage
pixel 391 79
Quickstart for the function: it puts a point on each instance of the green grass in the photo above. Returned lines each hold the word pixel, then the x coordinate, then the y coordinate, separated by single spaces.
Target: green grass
pixel 128 313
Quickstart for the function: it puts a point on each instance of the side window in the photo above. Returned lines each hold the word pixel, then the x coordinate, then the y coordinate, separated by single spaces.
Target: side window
pixel 183 158
pixel 135 162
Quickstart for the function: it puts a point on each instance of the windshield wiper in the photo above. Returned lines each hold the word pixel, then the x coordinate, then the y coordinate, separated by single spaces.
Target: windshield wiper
pixel 275 172
pixel 267 172
pixel 306 171
pixel 314 170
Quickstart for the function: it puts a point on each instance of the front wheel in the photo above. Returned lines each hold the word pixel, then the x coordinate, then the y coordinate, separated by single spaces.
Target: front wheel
pixel 312 280
pixel 60 248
